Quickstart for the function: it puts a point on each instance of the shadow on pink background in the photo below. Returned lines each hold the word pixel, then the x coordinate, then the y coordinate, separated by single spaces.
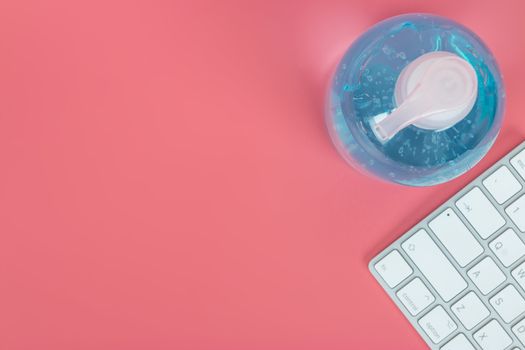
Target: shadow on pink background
pixel 167 181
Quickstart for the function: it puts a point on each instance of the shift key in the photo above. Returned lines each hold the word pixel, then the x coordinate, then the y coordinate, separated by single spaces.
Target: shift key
pixel 434 265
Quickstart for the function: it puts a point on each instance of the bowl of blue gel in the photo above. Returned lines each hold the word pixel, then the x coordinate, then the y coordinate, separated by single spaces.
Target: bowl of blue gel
pixel 417 100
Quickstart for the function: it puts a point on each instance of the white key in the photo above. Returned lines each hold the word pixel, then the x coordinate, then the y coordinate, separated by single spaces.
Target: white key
pixel 486 275
pixel 456 237
pixel 480 212
pixel 393 268
pixel 502 184
pixel 518 162
pixel 516 211
pixel 508 247
pixel 519 274
pixel 459 342
pixel 519 330
pixel 437 324
pixel 434 265
pixel 492 337
pixel 470 310
pixel 508 303
pixel 415 296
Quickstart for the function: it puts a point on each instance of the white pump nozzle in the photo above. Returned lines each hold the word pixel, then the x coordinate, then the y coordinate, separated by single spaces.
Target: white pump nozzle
pixel 434 92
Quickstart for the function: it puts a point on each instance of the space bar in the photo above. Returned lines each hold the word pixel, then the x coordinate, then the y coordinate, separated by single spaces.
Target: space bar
pixel 434 265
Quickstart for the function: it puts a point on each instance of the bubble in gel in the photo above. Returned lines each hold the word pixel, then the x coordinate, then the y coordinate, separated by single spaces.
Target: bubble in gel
pixel 402 55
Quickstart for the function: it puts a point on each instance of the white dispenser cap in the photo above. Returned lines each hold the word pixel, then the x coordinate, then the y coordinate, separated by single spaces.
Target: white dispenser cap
pixel 434 92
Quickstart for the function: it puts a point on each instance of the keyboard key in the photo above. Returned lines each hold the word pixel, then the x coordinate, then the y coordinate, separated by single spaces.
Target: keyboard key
pixel 519 274
pixel 470 310
pixel 486 275
pixel 508 303
pixel 508 247
pixel 456 237
pixel 437 324
pixel 519 330
pixel 459 342
pixel 393 268
pixel 502 185
pixel 518 163
pixel 479 233
pixel 492 337
pixel 415 296
pixel 516 211
pixel 434 265
pixel 480 213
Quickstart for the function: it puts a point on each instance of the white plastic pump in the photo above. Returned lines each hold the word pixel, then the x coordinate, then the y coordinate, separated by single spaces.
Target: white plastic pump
pixel 433 92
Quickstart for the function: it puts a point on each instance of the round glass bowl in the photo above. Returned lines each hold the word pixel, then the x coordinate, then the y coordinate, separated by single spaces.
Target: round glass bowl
pixel 363 87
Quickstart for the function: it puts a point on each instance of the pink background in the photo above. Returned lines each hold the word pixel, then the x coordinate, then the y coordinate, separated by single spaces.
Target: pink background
pixel 167 181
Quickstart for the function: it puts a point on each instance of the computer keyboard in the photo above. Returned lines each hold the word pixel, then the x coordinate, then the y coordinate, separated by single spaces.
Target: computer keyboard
pixel 459 275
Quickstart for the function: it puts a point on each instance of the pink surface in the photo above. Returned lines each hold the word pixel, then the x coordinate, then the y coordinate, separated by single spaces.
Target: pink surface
pixel 167 181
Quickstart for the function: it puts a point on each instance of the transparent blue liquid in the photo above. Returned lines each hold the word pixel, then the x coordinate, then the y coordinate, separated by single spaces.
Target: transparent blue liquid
pixel 363 87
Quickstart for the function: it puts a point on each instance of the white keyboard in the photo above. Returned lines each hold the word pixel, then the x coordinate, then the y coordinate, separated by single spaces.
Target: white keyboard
pixel 459 275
